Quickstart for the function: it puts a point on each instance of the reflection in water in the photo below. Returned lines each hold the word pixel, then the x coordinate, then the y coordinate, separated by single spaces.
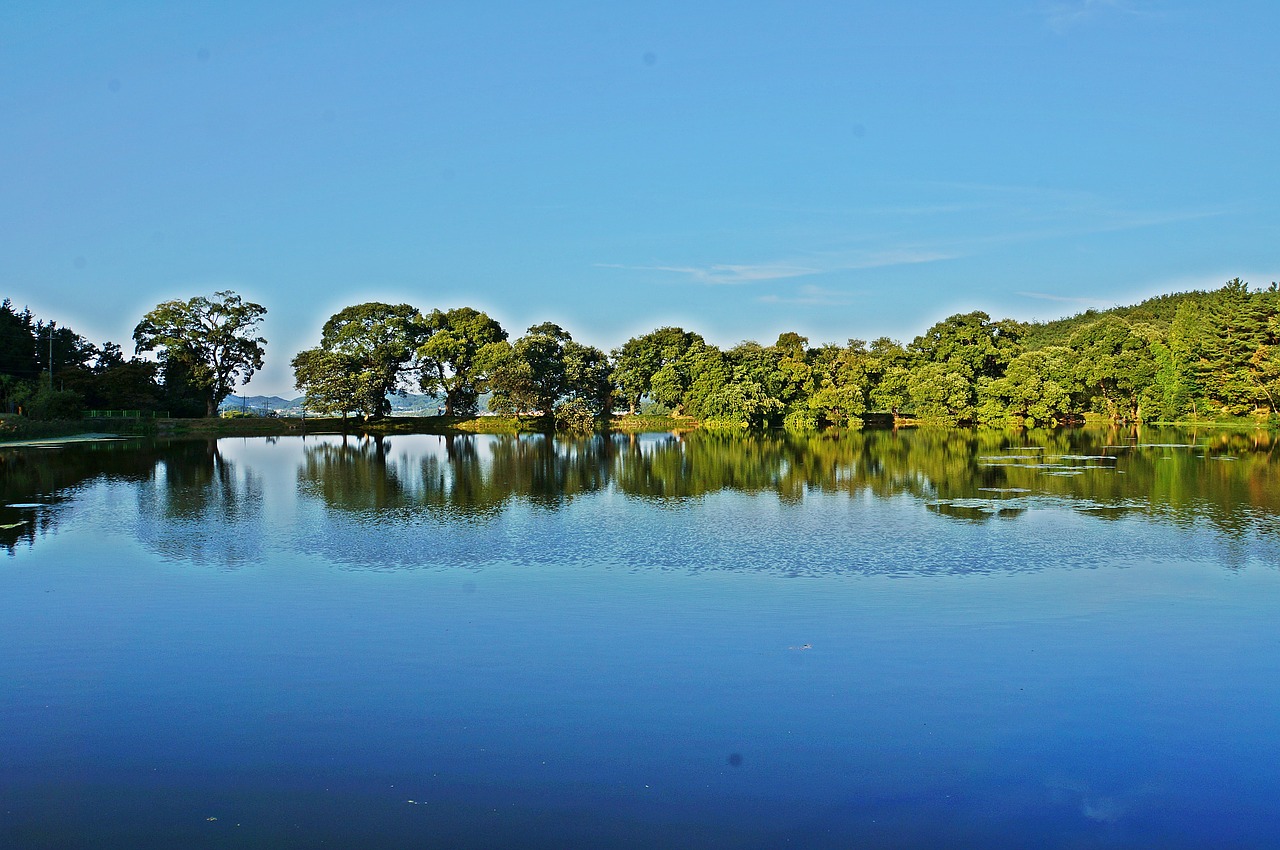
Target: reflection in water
pixel 462 499
pixel 386 494
pixel 970 474
pixel 199 506
pixel 192 502
pixel 643 586
pixel 35 482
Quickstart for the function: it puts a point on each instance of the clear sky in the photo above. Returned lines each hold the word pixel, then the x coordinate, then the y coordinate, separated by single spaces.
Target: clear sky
pixel 842 169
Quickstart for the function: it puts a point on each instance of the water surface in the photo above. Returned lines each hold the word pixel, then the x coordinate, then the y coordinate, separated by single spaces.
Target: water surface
pixel 879 639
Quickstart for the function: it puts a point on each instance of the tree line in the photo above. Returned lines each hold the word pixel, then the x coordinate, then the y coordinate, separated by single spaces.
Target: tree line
pixel 1186 355
pixel 205 344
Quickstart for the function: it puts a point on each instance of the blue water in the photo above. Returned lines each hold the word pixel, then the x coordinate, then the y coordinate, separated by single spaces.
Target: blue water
pixel 260 650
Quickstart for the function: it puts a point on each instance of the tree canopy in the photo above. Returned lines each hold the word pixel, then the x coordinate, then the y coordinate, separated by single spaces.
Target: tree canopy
pixel 366 352
pixel 461 348
pixel 1185 355
pixel 212 337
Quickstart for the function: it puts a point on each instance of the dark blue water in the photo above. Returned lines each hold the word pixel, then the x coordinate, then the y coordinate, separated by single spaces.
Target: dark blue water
pixel 866 642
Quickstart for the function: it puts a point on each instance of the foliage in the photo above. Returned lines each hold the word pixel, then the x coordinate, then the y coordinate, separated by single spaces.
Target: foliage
pixel 942 393
pixel 1114 365
pixel 654 365
pixel 366 352
pixel 1037 388
pixel 546 369
pixel 213 338
pixel 334 383
pixel 575 417
pixel 461 348
pixel 1196 354
pixel 17 343
pixel 43 404
pixel 971 344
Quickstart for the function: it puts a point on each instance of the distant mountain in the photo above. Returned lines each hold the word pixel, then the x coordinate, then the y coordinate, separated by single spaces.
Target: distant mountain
pixel 409 404
pixel 257 403
pixel 403 405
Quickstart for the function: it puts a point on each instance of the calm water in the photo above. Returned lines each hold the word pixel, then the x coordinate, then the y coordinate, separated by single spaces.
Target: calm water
pixel 921 639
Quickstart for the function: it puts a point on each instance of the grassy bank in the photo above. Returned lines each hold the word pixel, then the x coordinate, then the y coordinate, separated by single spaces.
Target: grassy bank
pixel 14 428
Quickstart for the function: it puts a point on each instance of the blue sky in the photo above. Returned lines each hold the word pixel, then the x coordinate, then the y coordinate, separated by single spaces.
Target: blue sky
pixel 743 168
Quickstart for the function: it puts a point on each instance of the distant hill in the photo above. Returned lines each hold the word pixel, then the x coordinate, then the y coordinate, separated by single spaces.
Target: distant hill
pixel 403 405
pixel 1158 311
pixel 257 403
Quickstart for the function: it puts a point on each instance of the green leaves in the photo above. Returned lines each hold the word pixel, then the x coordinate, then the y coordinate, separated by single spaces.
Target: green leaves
pixel 461 349
pixel 212 337
pixel 366 351
pixel 548 373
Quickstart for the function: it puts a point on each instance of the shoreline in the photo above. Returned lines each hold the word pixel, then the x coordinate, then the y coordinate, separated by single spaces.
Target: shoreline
pixel 28 434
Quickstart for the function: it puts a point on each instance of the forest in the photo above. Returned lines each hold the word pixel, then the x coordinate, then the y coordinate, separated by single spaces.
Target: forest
pixel 1191 356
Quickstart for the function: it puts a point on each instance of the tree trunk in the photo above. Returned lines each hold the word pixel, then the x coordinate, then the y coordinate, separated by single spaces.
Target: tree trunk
pixel 210 408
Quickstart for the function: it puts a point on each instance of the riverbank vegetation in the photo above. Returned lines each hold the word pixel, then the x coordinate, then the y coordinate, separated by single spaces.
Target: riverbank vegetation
pixel 1192 356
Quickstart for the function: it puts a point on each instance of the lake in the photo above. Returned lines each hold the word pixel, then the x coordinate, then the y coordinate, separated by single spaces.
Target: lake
pixel 921 638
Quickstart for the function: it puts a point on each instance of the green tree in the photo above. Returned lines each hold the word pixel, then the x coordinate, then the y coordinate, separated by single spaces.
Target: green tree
pixel 1182 367
pixel 841 381
pixel 39 401
pixel 374 345
pixel 640 361
pixel 942 392
pixel 545 370
pixel 588 378
pixel 462 346
pixel 706 369
pixel 972 343
pixel 738 405
pixel 1265 363
pixel 1037 388
pixel 213 338
pixel 335 384
pixel 17 343
pixel 888 376
pixel 530 377
pixel 1235 333
pixel 1114 366
pixel 120 384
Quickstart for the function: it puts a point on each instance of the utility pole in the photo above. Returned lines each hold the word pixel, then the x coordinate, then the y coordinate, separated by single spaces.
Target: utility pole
pixel 52 325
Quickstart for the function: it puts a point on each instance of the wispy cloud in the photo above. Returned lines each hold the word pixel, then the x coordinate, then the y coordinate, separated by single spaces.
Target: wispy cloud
pixel 1064 15
pixel 817 263
pixel 1037 213
pixel 1045 296
pixel 811 296
pixel 726 273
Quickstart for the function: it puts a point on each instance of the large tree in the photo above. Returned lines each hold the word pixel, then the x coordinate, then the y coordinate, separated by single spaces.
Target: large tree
pixel 455 359
pixel 546 370
pixel 371 348
pixel 641 358
pixel 18 357
pixel 213 338
pixel 1114 366
pixel 531 376
pixel 334 383
pixel 970 343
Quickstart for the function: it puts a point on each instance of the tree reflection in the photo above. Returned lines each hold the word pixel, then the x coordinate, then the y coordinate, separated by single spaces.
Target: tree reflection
pixel 198 506
pixel 470 477
pixel 971 475
pixel 192 502
pixel 35 482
